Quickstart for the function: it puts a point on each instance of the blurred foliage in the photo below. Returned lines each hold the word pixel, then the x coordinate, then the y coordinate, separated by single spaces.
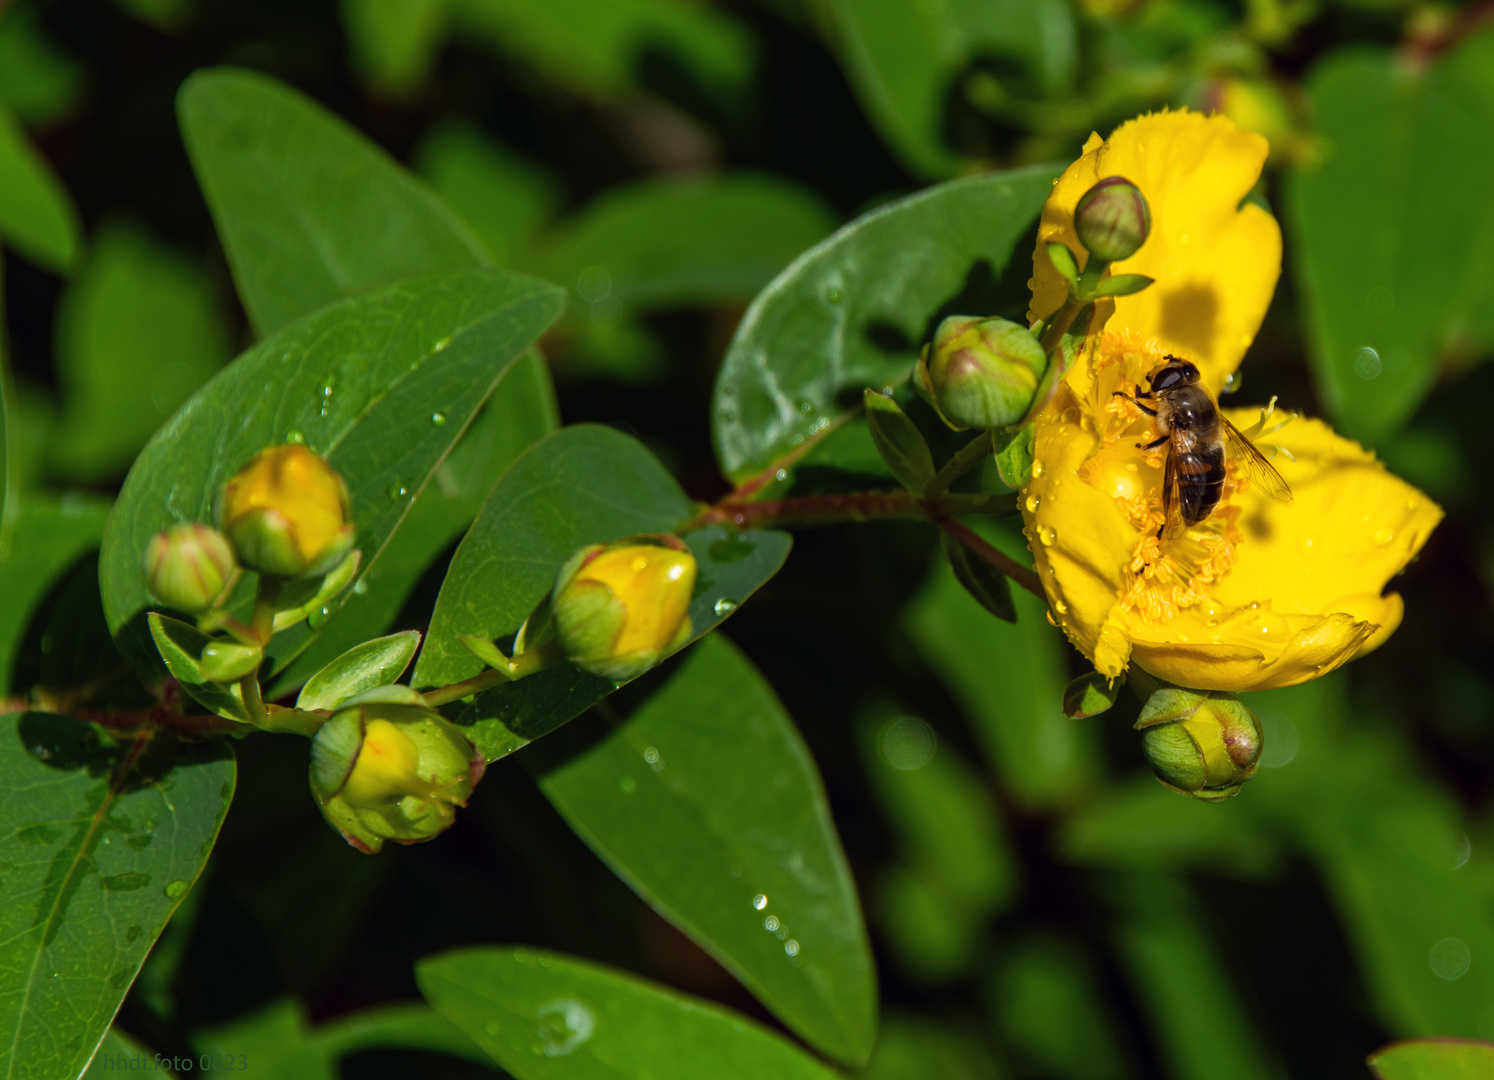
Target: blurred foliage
pixel 1039 906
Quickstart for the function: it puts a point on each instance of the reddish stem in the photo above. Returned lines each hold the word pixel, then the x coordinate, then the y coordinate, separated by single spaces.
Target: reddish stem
pixel 1001 561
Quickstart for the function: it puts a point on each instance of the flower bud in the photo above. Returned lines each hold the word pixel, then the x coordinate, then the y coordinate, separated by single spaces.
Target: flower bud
pixel 187 566
pixel 1112 219
pixel 981 373
pixel 621 608
pixel 1203 743
pixel 286 513
pixel 386 769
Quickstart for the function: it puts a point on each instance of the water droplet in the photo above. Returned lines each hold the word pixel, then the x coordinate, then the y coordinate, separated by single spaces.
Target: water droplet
pixel 1450 959
pixel 806 406
pixel 832 295
pixel 628 785
pixel 728 418
pixel 441 344
pixel 397 489
pixel 1383 536
pixel 771 923
pixel 361 587
pixel 1051 620
pixel 651 754
pixel 724 606
pixel 760 901
pixel 1046 536
pixel 1060 607
pixel 1037 468
pixel 438 418
pixel 1033 502
pixel 908 743
pixel 176 889
pixel 781 475
pixel 294 437
pixel 791 947
pixel 1233 382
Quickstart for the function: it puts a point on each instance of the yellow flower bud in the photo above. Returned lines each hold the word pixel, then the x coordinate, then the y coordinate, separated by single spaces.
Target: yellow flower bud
pixel 286 513
pixel 391 769
pixel 621 608
pixel 187 566
pixel 1201 743
pixel 981 373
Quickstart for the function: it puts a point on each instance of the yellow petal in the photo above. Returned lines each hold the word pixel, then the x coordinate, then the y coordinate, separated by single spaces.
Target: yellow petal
pixel 1351 526
pixel 1216 262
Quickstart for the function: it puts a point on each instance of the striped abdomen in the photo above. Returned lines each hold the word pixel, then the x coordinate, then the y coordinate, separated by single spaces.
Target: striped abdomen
pixel 1197 450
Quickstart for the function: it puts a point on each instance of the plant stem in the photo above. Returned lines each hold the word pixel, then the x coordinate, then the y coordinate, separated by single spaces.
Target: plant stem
pixel 1001 561
pixel 526 663
pixel 811 510
pixel 955 467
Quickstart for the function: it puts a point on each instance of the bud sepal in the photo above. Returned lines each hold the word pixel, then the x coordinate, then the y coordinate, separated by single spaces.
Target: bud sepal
pixel 189 567
pixel 621 608
pixel 386 767
pixel 1201 743
pixel 980 373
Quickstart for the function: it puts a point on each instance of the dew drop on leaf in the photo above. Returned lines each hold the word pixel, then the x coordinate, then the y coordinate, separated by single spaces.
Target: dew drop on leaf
pixel 724 606
pixel 438 418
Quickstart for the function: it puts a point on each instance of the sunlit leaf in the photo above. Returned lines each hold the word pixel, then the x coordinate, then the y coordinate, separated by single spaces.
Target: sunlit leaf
pixel 582 485
pixel 1434 1059
pixel 383 385
pixel 851 312
pixel 547 1017
pixel 308 209
pixel 99 844
pixel 706 801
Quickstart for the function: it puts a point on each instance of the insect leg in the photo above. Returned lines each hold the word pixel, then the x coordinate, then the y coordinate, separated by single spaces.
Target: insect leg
pixel 1133 401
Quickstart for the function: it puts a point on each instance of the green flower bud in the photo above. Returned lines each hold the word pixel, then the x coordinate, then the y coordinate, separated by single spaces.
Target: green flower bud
pixel 1113 219
pixel 286 513
pixel 385 767
pixel 188 566
pixel 621 608
pixel 1202 743
pixel 229 661
pixel 981 373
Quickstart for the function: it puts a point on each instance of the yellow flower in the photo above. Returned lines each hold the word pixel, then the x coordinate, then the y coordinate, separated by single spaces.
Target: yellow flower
pixel 1258 594
pixel 286 513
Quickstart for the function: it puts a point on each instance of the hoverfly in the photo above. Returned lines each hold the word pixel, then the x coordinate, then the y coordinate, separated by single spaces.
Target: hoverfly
pixel 1190 421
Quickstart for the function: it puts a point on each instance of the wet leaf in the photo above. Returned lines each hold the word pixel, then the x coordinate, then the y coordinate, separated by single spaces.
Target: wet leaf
pixel 99 844
pixel 707 802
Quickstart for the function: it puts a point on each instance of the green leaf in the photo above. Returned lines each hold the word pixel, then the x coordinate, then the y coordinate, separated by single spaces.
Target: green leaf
pixel 822 328
pixel 1050 1009
pixel 38 83
pixel 395 41
pixel 957 869
pixel 180 646
pixel 903 59
pixel 1010 680
pixel 503 196
pixel 277 1041
pixel 1089 695
pixel 36 216
pixel 1014 460
pixel 309 210
pixel 898 441
pixel 137 332
pixel 118 1052
pixel 985 584
pixel 520 412
pixel 1184 985
pixel 1123 285
pixel 41 539
pixel 548 1017
pixel 673 799
pixel 383 385
pixel 665 242
pixel 1434 1059
pixel 603 60
pixel 374 663
pixel 582 485
pixel 1393 234
pixel 99 843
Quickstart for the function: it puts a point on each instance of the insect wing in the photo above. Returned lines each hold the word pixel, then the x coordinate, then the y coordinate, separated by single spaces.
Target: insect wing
pixel 1173 524
pixel 1260 471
